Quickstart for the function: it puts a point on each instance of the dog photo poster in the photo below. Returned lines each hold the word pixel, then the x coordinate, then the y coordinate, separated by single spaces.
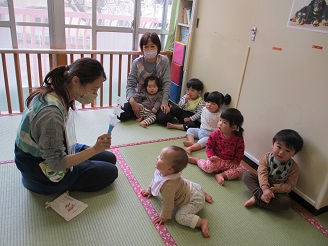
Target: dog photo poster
pixel 311 15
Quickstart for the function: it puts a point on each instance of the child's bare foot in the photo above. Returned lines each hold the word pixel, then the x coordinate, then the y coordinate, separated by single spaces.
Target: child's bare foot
pixel 203 224
pixel 188 150
pixel 219 177
pixel 187 143
pixel 208 197
pixel 143 124
pixel 193 160
pixel 250 202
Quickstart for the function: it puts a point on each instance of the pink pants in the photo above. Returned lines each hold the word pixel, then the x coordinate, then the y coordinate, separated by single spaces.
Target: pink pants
pixel 231 170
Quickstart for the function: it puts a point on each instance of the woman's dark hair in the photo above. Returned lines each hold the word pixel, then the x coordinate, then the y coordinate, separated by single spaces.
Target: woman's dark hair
pixel 153 37
pixel 290 138
pixel 157 81
pixel 218 98
pixel 234 117
pixel 196 84
pixel 86 69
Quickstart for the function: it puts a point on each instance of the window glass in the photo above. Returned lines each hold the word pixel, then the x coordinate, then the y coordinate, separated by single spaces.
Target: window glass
pixel 5 42
pixel 78 12
pixel 31 11
pixel 4 16
pixel 33 37
pixel 114 41
pixel 152 14
pixel 78 38
pixel 115 13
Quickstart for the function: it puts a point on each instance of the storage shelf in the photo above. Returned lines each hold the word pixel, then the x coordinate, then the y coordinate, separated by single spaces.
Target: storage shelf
pixel 183 24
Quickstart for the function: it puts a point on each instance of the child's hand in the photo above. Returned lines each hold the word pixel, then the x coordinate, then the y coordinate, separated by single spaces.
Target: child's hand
pixel 145 193
pixel 213 158
pixel 186 119
pixel 159 220
pixel 154 110
pixel 267 195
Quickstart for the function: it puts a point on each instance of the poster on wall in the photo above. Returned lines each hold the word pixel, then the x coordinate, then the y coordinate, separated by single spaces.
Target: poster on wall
pixel 309 15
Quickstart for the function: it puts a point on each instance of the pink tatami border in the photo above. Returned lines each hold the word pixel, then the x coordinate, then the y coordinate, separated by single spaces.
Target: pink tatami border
pixel 161 229
pixel 312 221
pixel 120 146
pixel 134 183
pixel 146 142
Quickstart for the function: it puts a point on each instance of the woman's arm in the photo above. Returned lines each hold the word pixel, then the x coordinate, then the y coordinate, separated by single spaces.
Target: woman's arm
pixel 103 143
pixel 166 80
pixel 48 131
pixel 132 80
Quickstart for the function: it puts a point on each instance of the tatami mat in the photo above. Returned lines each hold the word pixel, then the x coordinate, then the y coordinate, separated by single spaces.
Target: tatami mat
pixel 95 123
pixel 116 216
pixel 230 222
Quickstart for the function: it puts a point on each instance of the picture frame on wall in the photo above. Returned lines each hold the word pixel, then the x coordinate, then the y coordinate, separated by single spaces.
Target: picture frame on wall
pixel 311 15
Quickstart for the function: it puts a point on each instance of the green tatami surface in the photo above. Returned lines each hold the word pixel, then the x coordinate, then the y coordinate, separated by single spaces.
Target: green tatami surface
pixel 230 222
pixel 116 216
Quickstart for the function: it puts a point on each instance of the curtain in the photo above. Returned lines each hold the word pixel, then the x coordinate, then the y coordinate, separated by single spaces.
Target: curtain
pixel 173 23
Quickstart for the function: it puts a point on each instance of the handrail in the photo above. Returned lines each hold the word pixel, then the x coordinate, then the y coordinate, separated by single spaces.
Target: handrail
pixel 24 69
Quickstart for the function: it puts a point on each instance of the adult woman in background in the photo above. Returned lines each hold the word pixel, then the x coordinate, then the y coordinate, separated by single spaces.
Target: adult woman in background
pixel 46 151
pixel 150 64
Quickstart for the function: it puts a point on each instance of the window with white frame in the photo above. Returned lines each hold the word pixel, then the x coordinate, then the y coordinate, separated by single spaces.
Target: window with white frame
pixel 81 24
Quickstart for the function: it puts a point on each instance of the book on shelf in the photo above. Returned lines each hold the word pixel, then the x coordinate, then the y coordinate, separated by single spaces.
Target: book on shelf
pixel 176 73
pixel 184 34
pixel 179 51
pixel 186 15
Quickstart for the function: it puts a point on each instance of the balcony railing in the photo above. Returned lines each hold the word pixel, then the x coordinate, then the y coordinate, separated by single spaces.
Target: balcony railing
pixel 24 70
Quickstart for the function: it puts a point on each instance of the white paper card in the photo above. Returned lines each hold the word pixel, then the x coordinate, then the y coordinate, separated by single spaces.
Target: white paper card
pixel 67 206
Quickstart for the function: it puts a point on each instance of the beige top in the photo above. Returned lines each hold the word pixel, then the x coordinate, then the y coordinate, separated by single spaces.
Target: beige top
pixel 175 193
pixel 284 186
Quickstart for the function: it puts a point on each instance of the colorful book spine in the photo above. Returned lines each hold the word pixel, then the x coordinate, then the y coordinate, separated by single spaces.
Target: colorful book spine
pixel 179 51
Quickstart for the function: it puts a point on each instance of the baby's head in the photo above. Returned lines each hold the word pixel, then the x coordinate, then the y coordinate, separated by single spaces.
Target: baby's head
pixel 285 144
pixel 152 84
pixel 172 159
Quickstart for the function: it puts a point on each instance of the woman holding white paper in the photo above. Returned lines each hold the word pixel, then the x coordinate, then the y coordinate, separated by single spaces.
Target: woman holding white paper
pixel 46 151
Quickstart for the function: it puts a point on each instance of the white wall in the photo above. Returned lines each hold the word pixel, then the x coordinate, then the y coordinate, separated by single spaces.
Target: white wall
pixel 285 89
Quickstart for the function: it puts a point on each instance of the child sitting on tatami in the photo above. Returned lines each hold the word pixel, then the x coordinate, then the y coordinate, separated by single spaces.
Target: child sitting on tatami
pixel 209 119
pixel 224 148
pixel 277 173
pixel 177 192
pixel 190 106
pixel 149 100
